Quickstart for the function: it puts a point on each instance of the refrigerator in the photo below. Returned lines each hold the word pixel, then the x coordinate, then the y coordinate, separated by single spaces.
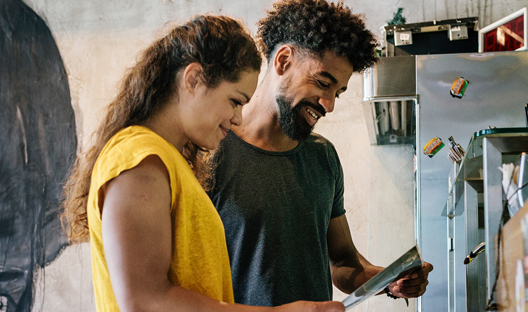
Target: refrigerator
pixel 417 92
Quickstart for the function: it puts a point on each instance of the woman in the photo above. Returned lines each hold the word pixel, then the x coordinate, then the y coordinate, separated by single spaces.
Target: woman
pixel 157 241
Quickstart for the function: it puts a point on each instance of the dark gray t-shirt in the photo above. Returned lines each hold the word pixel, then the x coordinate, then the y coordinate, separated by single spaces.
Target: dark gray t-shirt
pixel 276 207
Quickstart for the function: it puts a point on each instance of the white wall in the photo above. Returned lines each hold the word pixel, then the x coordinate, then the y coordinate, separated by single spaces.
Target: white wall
pixel 98 39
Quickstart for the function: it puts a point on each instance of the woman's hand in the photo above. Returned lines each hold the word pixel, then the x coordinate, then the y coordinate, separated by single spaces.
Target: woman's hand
pixel 310 306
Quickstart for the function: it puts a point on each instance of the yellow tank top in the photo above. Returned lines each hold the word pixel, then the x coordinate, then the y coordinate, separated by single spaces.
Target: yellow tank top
pixel 200 261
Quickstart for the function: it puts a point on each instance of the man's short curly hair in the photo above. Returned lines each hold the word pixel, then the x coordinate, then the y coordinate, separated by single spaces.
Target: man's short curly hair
pixel 317 26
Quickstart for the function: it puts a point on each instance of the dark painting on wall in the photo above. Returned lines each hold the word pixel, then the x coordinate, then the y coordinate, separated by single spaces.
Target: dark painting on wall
pixel 37 146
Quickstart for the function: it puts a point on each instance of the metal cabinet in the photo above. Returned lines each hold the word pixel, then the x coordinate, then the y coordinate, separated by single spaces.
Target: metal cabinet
pixel 473 212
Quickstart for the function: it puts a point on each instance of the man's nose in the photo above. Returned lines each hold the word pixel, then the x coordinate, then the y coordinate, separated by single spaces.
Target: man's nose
pixel 327 102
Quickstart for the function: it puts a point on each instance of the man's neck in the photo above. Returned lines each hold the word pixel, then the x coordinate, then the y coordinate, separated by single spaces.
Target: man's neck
pixel 260 123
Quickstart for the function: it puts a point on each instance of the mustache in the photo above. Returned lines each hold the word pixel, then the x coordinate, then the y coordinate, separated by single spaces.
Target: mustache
pixel 313 106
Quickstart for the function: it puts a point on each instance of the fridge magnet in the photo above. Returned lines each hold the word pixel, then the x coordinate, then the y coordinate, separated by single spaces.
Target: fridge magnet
pixel 458 87
pixel 433 146
pixel 456 152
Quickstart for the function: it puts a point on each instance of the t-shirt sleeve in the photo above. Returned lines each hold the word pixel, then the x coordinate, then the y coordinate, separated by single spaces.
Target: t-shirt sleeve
pixel 338 208
pixel 126 152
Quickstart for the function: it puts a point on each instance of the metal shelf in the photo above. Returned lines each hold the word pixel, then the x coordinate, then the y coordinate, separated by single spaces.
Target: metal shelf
pixel 476 177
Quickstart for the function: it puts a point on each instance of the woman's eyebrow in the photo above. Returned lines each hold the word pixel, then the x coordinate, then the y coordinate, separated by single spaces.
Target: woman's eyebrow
pixel 244 95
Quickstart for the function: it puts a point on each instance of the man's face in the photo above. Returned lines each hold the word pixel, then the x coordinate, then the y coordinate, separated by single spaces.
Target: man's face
pixel 309 91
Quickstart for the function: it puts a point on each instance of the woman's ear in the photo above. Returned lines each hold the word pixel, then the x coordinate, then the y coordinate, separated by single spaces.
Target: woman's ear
pixel 191 77
pixel 283 59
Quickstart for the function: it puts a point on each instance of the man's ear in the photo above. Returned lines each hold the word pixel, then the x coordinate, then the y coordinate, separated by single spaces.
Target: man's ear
pixel 191 77
pixel 283 59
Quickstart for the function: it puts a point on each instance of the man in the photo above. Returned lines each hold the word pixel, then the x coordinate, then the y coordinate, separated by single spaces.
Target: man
pixel 279 188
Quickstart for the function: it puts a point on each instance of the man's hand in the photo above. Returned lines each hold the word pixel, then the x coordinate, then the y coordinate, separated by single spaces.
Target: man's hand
pixel 412 285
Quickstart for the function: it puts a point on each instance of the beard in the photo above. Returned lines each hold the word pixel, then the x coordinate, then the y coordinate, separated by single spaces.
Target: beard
pixel 291 119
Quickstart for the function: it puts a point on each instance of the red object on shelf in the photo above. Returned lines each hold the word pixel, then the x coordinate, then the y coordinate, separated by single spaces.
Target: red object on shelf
pixel 507 37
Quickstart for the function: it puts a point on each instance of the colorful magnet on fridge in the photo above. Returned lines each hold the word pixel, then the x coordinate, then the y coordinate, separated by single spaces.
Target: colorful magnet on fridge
pixel 456 152
pixel 433 146
pixel 458 87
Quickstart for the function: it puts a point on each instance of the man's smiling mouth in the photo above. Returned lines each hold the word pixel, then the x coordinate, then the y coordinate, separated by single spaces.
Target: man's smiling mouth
pixel 311 113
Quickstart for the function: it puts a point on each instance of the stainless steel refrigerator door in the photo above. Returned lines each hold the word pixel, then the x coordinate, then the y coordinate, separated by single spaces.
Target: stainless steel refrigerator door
pixel 495 96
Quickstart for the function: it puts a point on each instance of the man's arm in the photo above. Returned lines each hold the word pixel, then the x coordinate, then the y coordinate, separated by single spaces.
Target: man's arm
pixel 350 269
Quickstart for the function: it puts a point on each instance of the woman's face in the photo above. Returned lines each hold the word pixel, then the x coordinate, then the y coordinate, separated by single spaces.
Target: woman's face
pixel 213 111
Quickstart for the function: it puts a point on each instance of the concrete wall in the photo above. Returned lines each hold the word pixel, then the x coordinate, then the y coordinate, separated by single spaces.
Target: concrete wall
pixel 98 39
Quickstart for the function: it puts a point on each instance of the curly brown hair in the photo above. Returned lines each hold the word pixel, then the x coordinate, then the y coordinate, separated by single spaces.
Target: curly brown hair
pixel 316 26
pixel 224 49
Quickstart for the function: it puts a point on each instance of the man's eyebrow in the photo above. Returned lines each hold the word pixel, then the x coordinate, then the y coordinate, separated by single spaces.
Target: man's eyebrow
pixel 331 77
pixel 328 75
